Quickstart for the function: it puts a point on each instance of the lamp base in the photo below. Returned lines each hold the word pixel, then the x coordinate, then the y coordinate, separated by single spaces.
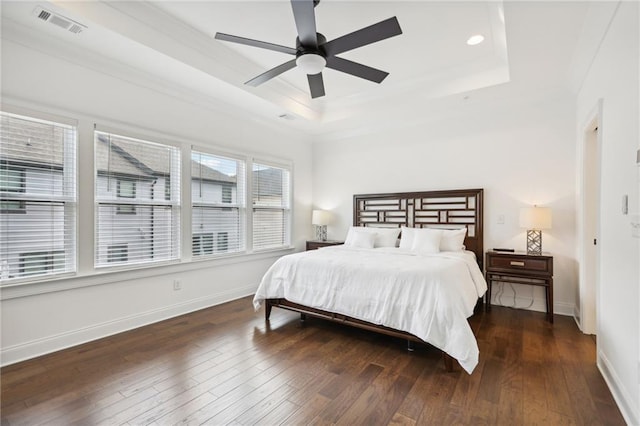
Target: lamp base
pixel 534 242
pixel 321 232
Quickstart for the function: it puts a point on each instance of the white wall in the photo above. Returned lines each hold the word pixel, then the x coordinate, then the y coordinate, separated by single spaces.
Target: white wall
pixel 520 154
pixel 613 78
pixel 91 306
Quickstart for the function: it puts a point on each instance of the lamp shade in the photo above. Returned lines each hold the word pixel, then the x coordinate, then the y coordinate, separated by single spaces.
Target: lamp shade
pixel 320 217
pixel 535 217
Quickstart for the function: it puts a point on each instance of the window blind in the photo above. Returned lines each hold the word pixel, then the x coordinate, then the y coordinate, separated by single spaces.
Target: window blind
pixel 271 199
pixel 137 197
pixel 37 197
pixel 218 204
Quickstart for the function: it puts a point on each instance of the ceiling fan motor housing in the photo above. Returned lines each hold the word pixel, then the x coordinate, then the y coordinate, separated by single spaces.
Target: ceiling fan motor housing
pixel 303 50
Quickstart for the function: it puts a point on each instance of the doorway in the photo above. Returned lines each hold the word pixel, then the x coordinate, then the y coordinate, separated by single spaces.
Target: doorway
pixel 589 268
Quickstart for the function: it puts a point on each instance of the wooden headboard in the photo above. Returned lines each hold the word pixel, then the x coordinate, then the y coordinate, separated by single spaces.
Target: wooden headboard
pixel 431 209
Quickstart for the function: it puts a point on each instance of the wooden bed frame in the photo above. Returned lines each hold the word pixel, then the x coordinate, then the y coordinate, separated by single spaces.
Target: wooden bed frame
pixel 434 209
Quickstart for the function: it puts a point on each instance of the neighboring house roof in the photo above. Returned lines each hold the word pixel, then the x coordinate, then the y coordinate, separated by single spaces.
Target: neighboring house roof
pixel 153 164
pixel 267 182
pixel 31 144
pixel 121 157
pixel 201 171
pixel 124 158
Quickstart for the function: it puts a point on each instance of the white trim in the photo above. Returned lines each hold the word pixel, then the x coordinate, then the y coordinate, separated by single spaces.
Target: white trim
pixel 16 353
pixel 594 116
pixel 622 398
pixel 36 115
pixel 107 277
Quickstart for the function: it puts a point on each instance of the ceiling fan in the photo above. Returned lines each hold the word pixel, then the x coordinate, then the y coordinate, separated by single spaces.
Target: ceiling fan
pixel 313 52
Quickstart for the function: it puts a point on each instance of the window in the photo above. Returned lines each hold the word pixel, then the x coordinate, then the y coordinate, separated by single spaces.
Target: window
pixel 218 201
pixel 138 201
pixel 12 180
pixel 271 207
pixel 223 241
pixel 227 194
pixel 126 189
pixel 37 180
pixel 118 253
pixel 40 263
pixel 12 207
pixel 202 244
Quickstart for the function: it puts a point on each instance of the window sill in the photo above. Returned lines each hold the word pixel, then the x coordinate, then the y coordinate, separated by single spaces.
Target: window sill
pixel 101 277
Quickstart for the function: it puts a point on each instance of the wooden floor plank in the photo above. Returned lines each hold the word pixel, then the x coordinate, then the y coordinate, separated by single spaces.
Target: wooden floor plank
pixel 226 365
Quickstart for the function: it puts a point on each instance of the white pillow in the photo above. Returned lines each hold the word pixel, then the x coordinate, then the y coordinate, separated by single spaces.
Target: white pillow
pixel 384 237
pixel 426 241
pixel 360 238
pixel 406 239
pixel 453 239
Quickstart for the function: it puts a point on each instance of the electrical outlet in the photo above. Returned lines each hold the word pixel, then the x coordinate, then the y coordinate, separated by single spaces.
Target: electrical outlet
pixel 177 285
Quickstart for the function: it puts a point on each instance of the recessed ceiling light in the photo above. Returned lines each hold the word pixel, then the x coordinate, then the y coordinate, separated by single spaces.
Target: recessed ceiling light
pixel 476 39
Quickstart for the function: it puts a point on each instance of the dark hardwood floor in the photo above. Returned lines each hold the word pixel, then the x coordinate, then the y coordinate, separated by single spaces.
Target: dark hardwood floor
pixel 225 365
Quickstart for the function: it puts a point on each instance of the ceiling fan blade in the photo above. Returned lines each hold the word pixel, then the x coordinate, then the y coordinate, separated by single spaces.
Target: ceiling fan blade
pixel 371 34
pixel 305 18
pixel 316 85
pixel 273 72
pixel 255 43
pixel 356 69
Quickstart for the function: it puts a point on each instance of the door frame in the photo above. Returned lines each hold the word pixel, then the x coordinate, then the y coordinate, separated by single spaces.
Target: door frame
pixel 588 305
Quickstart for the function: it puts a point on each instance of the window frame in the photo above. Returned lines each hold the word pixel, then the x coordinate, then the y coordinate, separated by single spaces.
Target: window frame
pixel 287 209
pixel 65 196
pixel 240 205
pixel 121 204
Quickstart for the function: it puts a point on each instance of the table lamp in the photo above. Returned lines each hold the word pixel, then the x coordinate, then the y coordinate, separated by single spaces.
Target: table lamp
pixel 321 218
pixel 534 220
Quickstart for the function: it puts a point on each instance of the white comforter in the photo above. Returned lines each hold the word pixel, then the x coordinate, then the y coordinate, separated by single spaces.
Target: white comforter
pixel 429 296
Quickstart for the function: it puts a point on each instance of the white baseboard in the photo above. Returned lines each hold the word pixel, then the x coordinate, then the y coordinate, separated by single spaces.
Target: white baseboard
pixel 625 403
pixel 38 347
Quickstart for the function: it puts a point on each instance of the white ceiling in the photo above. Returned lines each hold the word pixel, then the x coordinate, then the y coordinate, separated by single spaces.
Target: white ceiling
pixel 529 47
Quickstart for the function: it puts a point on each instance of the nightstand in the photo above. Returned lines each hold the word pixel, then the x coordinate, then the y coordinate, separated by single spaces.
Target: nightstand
pixel 316 244
pixel 520 268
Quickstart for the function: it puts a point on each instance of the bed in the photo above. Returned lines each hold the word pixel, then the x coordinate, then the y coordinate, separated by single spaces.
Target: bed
pixel 417 295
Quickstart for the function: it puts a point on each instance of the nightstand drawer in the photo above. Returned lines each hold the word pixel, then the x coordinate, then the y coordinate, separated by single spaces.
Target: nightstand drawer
pixel 541 265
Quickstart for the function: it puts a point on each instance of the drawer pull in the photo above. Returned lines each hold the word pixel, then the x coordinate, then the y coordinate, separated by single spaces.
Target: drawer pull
pixel 516 263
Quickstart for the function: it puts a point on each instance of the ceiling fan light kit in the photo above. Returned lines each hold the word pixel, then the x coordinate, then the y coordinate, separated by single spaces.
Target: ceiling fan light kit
pixel 311 63
pixel 313 52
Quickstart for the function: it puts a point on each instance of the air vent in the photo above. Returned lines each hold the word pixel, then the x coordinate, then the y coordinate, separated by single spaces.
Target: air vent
pixel 59 20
